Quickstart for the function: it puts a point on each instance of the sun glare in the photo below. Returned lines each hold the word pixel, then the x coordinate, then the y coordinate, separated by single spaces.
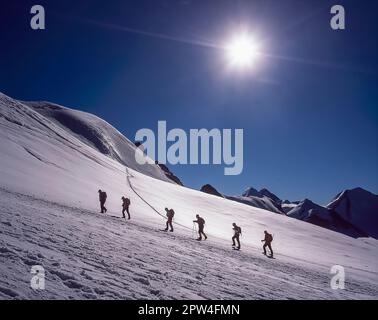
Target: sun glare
pixel 242 51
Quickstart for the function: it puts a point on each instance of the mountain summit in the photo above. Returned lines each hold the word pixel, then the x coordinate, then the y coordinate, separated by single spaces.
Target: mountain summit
pixel 359 207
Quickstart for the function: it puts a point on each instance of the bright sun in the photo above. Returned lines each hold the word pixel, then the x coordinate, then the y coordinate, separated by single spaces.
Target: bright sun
pixel 242 51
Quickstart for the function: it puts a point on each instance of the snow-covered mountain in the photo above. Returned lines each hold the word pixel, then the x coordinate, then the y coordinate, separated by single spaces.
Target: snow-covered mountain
pixel 306 208
pixel 287 205
pixel 262 199
pixel 169 174
pixel 313 213
pixel 251 197
pixel 359 207
pixel 251 192
pixel 352 212
pixel 271 195
pixel 208 188
pixel 264 203
pixel 53 160
pixel 95 133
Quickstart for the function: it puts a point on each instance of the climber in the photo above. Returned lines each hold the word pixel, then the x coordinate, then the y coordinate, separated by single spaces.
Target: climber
pixel 125 207
pixel 170 214
pixel 201 224
pixel 237 233
pixel 102 197
pixel 268 243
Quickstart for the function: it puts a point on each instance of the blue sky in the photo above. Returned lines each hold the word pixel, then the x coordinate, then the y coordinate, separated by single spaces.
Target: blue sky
pixel 308 109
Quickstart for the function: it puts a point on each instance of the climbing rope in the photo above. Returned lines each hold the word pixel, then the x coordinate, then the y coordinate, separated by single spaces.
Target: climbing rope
pixel 128 179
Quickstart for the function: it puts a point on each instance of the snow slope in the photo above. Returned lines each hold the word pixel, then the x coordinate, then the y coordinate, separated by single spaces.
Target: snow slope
pixel 96 133
pixel 87 255
pixel 49 215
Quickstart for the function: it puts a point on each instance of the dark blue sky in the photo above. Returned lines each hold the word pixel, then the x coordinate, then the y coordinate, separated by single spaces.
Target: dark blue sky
pixel 309 120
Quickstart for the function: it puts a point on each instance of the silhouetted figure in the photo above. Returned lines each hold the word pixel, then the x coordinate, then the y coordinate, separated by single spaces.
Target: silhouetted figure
pixel 268 242
pixel 102 197
pixel 125 207
pixel 170 214
pixel 201 225
pixel 237 233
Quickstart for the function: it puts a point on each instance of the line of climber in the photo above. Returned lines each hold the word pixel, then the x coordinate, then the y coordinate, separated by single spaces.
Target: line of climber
pixel 170 213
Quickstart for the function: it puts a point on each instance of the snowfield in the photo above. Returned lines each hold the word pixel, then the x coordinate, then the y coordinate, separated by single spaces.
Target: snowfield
pixel 92 256
pixel 50 171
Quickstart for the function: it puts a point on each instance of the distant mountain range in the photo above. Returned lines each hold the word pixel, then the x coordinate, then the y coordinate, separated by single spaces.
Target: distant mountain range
pixel 352 212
